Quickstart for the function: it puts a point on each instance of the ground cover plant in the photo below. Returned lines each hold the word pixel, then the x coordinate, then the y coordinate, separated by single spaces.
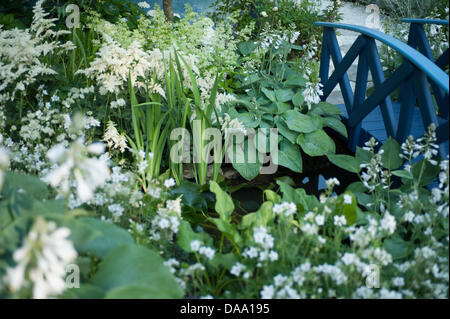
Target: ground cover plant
pixel 124 141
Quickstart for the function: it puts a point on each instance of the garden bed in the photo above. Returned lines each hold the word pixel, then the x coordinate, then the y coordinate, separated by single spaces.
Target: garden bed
pixel 116 126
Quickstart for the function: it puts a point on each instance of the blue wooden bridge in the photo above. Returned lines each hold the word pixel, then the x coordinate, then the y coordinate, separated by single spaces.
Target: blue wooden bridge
pixel 421 79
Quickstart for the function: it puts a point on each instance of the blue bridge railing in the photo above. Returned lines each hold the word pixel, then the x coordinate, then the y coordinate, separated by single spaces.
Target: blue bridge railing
pixel 418 79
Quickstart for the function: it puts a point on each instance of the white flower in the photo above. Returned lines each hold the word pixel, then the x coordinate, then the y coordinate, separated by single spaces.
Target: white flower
pixel 388 223
pixel 143 5
pixel 114 139
pixel 208 252
pixel 398 282
pixel 287 209
pixel 320 220
pixel 237 269
pixel 340 220
pixel 409 216
pixel 267 292
pixel 50 249
pixel 168 183
pixel 195 245
pixel 262 237
pixel 174 206
pixel 264 14
pixel 348 199
pixel 88 173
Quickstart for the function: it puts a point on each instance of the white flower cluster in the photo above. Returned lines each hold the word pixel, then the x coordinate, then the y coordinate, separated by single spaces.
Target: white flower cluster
pixel 264 247
pixel 4 162
pixel 197 246
pixel 21 50
pixel 114 139
pixel 285 209
pixel 42 260
pixel 88 173
pixel 167 221
pixel 231 126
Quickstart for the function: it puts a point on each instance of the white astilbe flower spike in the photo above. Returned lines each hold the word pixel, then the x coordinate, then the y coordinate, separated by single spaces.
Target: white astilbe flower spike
pixel 114 139
pixel 42 260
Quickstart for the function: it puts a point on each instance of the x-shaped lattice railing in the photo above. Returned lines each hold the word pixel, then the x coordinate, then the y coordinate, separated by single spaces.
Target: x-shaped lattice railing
pixel 413 78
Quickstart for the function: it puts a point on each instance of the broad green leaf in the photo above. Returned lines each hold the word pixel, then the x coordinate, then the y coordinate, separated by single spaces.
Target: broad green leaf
pixel 262 217
pixel 283 107
pixel 298 99
pixel 186 235
pixel 129 265
pixel 362 155
pixel 296 80
pixel 224 203
pixel 284 95
pixel 403 174
pixel 229 230
pixel 290 156
pixel 429 173
pixel 285 131
pixel 349 163
pixel 324 108
pixel 31 185
pixel 398 247
pixel 226 261
pixel 249 120
pixel 302 123
pixel 107 237
pixel 245 160
pixel 247 47
pixel 270 94
pixel 271 196
pixel 336 125
pixel 391 157
pixel 347 208
pixel 317 143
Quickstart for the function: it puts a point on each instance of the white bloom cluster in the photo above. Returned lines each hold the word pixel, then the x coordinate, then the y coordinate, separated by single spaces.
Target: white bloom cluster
pixel 114 139
pixel 312 93
pixel 20 51
pixel 114 64
pixel 4 162
pixel 167 221
pixel 42 260
pixel 264 251
pixel 231 126
pixel 286 209
pixel 197 246
pixel 88 173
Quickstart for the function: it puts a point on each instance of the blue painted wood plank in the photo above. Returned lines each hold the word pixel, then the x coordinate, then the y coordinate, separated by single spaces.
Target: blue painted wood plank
pixel 373 125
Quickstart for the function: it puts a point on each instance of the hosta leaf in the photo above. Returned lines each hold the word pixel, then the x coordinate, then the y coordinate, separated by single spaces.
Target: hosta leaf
pixel 324 108
pixel 284 95
pixel 302 123
pixel 290 156
pixel 317 143
pixel 336 125
pixel 349 163
pixel 224 203
pixel 298 99
pixel 132 265
pixel 391 157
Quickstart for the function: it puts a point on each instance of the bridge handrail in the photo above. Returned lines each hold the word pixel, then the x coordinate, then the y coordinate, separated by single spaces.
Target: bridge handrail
pixel 419 60
pixel 426 21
